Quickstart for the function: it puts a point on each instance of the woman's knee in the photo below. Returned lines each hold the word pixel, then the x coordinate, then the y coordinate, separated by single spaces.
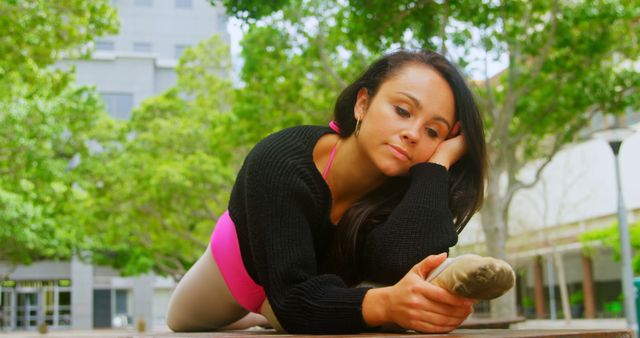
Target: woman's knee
pixel 173 319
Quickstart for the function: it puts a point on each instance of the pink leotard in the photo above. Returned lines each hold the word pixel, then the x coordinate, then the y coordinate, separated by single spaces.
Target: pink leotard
pixel 226 252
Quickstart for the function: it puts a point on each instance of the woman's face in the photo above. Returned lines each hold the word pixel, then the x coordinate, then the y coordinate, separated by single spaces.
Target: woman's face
pixel 403 124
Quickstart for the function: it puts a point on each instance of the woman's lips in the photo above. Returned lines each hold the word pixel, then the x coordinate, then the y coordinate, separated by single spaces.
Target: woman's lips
pixel 399 153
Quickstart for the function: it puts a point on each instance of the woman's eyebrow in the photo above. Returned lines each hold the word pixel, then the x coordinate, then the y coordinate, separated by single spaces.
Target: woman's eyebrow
pixel 419 105
pixel 413 98
pixel 443 120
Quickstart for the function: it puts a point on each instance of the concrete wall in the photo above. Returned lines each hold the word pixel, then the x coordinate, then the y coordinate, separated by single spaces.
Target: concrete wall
pixel 578 184
pixel 44 270
pixel 165 26
pixel 604 267
pixel 143 300
pixel 81 295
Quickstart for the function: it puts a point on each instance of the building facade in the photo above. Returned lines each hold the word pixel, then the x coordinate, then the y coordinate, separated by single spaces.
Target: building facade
pixel 575 194
pixel 137 63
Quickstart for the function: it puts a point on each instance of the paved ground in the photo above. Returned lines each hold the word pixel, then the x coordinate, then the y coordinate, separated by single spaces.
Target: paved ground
pixel 529 329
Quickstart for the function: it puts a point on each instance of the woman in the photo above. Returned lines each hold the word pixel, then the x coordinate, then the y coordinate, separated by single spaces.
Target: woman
pixel 315 211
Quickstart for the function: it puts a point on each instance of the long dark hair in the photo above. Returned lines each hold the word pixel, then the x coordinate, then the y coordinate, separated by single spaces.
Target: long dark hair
pixel 466 176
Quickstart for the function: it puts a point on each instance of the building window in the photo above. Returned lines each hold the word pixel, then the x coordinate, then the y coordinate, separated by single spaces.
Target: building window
pixel 143 47
pixel 184 3
pixel 123 315
pixel 143 3
pixel 25 304
pixel 119 105
pixel 179 50
pixel 105 45
pixel 632 117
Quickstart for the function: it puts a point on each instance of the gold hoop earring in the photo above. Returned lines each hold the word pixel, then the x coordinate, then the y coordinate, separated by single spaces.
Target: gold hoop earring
pixel 357 131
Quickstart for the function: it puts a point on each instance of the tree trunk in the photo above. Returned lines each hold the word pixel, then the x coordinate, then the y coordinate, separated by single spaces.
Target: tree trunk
pixel 494 224
pixel 562 283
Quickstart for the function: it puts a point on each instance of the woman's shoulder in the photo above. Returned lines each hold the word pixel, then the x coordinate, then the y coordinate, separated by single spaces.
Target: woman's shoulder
pixel 283 158
pixel 292 144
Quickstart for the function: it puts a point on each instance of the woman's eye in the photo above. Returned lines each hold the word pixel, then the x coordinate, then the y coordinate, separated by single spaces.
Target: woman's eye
pixel 402 112
pixel 432 132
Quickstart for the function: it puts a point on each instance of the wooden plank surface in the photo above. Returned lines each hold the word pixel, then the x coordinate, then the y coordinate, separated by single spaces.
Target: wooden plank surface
pixel 460 333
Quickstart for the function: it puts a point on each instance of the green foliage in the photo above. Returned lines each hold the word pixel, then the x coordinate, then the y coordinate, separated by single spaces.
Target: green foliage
pixel 39 138
pixel 35 33
pixel 43 123
pixel 163 177
pixel 292 73
pixel 528 302
pixel 614 307
pixel 252 10
pixel 610 237
pixel 564 57
pixel 567 62
pixel 576 297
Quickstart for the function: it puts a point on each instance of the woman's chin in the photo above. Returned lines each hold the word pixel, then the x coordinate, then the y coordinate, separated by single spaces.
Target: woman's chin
pixel 394 171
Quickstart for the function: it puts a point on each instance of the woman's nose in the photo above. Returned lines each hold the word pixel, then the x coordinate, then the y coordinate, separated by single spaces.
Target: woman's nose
pixel 411 134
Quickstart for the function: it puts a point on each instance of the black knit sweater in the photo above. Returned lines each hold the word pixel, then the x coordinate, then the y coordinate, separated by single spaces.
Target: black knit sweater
pixel 280 205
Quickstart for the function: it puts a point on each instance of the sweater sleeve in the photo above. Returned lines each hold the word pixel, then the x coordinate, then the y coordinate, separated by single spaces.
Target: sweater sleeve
pixel 280 208
pixel 420 225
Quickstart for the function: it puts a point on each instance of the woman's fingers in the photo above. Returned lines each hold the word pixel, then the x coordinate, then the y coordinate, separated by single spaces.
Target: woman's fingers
pixel 440 319
pixel 455 130
pixel 429 264
pixel 419 305
pixel 443 302
pixel 427 327
pixel 432 291
pixel 427 321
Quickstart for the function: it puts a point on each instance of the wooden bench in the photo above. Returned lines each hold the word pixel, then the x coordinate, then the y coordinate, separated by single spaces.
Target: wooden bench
pixel 459 333
pixel 490 323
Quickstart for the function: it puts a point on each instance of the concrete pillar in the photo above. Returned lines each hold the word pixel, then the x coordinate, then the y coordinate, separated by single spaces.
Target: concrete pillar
pixel 143 300
pixel 588 288
pixel 81 295
pixel 538 287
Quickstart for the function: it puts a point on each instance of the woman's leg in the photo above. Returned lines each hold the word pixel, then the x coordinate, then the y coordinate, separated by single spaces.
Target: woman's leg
pixel 202 301
pixel 267 312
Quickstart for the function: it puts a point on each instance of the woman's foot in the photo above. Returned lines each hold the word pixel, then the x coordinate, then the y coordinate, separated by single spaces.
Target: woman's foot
pixel 474 276
pixel 250 320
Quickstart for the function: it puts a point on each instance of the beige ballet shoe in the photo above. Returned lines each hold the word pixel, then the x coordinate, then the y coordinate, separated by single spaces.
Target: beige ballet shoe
pixel 474 276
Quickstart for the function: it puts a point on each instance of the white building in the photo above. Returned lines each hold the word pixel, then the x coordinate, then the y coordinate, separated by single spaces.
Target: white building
pixel 576 193
pixel 126 68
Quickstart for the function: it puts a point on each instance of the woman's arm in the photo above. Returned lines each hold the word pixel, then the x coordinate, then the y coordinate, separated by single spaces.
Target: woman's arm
pixel 415 304
pixel 419 226
pixel 281 205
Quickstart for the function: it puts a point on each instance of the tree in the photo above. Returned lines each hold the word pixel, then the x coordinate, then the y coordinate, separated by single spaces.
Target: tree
pixel 292 71
pixel 567 61
pixel 610 237
pixel 37 33
pixel 43 123
pixel 158 182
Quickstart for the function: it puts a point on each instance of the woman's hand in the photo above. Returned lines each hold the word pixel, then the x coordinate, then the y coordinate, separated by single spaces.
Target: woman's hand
pixel 416 304
pixel 451 149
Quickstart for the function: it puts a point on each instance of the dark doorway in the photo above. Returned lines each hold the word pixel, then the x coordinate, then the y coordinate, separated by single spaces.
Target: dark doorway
pixel 101 308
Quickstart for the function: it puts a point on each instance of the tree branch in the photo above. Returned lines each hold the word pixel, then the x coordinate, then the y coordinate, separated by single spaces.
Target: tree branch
pixel 210 212
pixel 149 210
pixel 542 56
pixel 325 62
pixel 443 27
pixel 175 272
pixel 557 145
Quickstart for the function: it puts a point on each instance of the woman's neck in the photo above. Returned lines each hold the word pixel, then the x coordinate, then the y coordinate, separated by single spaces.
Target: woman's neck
pixel 352 174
